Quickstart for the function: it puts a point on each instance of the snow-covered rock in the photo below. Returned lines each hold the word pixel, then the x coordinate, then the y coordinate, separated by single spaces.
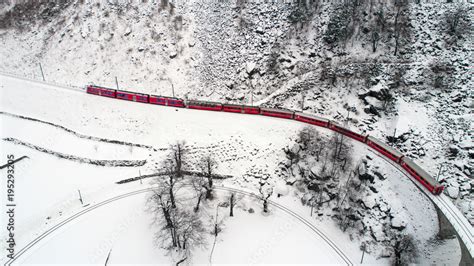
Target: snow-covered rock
pixel 128 30
pixel 250 67
pixel 398 222
pixel 173 54
pixel 453 192
pixel 369 202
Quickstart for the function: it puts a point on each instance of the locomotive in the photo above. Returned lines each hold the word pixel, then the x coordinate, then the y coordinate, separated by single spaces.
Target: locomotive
pixel 408 165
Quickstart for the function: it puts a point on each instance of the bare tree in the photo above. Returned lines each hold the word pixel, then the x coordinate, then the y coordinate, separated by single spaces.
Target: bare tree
pixel 458 21
pixel 178 228
pixel 233 200
pixel 207 166
pixel 405 250
pixel 189 229
pixel 160 202
pixel 199 184
pixel 293 157
pixel 350 194
pixel 178 156
pixel 169 168
pixel 374 37
pixel 307 136
pixel 265 192
pixel 401 24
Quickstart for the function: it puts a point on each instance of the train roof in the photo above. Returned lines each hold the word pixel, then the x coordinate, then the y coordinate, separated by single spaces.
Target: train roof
pixel 276 110
pixel 101 87
pixel 385 146
pixel 140 93
pixel 420 171
pixel 334 123
pixel 208 102
pixel 167 97
pixel 240 105
pixel 312 116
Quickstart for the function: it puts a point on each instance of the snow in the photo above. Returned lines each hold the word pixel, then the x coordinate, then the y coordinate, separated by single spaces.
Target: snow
pixel 453 192
pixel 55 192
pixel 281 188
pixel 53 182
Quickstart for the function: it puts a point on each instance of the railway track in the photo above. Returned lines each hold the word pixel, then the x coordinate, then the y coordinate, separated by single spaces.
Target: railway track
pixel 460 223
pixel 463 228
pixel 293 214
pixel 62 86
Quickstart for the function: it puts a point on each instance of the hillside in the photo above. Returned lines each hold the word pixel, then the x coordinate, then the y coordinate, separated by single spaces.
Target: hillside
pixel 389 68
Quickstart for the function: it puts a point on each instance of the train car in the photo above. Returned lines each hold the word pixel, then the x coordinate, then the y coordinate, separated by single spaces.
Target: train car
pixel 338 128
pixel 167 101
pixel 203 105
pixel 232 108
pixel 101 91
pixel 311 119
pixel 132 96
pixel 252 110
pixel 420 175
pixel 160 100
pixel 175 102
pixel 384 149
pixel 244 109
pixel 277 113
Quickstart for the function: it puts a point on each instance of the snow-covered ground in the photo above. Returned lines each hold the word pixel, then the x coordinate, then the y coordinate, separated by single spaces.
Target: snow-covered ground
pixel 47 186
pixel 229 51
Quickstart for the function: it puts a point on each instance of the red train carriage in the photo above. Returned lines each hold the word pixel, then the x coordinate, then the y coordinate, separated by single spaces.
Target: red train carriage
pixel 160 100
pixel 421 176
pixel 384 149
pixel 347 132
pixel 313 120
pixel 245 109
pixel 175 102
pixel 203 105
pixel 168 101
pixel 253 110
pixel 277 113
pixel 92 89
pixel 132 96
pixel 232 108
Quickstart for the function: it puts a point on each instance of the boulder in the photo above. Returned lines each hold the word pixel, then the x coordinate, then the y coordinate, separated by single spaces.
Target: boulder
pixel 369 202
pixel 370 109
pixel 128 30
pixel 173 54
pixel 250 67
pixel 379 175
pixel 366 176
pixel 453 150
pixel 453 192
pixel 398 223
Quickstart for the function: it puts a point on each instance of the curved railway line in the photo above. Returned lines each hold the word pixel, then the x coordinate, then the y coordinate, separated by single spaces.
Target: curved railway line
pixel 454 216
pixel 461 225
pixel 293 214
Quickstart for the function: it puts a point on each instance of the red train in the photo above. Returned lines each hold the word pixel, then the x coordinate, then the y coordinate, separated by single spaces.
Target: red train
pixel 413 169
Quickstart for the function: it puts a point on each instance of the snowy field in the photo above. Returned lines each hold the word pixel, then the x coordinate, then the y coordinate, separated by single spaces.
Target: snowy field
pixel 46 187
